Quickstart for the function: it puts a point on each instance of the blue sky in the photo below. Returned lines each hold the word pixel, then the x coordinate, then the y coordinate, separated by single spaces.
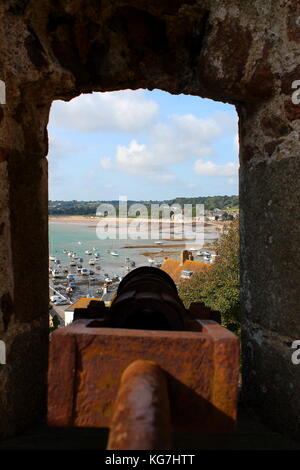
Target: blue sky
pixel 143 145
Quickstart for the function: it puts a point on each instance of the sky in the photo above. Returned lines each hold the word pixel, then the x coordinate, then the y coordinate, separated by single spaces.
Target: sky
pixel 145 145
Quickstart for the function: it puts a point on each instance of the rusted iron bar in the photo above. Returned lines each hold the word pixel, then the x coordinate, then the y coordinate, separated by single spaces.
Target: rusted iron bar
pixel 141 417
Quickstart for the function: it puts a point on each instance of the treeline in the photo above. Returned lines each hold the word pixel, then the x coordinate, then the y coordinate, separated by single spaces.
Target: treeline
pixel 90 207
pixel 210 202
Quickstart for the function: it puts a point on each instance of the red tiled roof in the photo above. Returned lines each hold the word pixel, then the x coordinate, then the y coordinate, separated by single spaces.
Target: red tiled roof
pixel 174 268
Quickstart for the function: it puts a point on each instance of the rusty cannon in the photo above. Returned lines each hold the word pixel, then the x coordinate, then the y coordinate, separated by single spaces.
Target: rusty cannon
pixel 144 367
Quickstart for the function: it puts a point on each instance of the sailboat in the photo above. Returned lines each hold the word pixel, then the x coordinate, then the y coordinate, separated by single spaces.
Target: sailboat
pixel 113 252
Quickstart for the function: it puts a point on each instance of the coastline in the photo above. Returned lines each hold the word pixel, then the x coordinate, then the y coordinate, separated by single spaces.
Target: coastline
pixel 93 221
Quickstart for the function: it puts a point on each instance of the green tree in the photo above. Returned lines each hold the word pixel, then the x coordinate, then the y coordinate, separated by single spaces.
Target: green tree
pixel 55 323
pixel 219 288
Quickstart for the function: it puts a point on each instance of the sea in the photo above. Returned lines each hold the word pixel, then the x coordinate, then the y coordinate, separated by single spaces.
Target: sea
pixel 80 237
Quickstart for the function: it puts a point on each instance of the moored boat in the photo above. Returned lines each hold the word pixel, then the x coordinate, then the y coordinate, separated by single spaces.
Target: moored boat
pixel 55 273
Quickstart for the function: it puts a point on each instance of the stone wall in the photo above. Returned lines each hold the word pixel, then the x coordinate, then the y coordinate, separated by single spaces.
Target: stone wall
pixel 243 53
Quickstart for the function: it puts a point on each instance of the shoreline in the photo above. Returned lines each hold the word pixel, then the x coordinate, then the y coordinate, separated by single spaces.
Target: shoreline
pixel 93 221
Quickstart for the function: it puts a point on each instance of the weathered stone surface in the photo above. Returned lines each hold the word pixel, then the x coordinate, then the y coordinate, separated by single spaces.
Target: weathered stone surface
pixel 23 380
pixel 271 253
pixel 268 355
pixel 244 53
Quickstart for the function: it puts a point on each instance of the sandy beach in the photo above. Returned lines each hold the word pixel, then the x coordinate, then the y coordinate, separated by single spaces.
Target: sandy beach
pixel 93 221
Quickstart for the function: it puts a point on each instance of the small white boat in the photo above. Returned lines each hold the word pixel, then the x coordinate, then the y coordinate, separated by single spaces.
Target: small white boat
pixel 206 253
pixel 114 253
pixel 56 261
pixel 55 273
pixel 97 255
pixel 52 258
pixel 151 260
pixel 79 243
pixel 92 261
pixel 73 263
pixel 159 242
pixel 88 252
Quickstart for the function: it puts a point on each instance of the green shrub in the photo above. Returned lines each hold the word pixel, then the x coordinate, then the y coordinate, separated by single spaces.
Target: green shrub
pixel 219 288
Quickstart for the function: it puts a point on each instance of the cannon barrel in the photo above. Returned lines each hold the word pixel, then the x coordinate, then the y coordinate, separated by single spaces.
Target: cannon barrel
pixel 141 418
pixel 147 299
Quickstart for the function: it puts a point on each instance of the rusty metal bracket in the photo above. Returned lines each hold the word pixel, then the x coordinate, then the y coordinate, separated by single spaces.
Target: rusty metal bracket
pixel 201 363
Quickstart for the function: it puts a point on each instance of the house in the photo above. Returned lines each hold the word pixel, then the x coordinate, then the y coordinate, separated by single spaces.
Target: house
pixel 183 269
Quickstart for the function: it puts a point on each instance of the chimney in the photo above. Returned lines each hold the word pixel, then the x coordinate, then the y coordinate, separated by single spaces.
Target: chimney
pixel 184 255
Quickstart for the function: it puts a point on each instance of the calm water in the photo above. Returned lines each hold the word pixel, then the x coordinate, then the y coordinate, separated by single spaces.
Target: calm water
pixel 68 235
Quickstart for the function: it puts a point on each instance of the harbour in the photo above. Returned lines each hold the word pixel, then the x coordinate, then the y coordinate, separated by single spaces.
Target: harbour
pixel 82 265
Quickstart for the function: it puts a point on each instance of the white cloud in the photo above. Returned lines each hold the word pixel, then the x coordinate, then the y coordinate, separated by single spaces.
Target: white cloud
pixel 208 168
pixel 126 111
pixel 236 143
pixel 137 159
pixel 106 163
pixel 183 138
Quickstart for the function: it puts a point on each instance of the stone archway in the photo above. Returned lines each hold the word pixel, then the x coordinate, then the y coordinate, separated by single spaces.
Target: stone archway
pixel 232 51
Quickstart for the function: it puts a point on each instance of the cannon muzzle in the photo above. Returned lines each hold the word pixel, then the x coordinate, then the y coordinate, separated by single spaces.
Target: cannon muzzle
pixel 147 299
